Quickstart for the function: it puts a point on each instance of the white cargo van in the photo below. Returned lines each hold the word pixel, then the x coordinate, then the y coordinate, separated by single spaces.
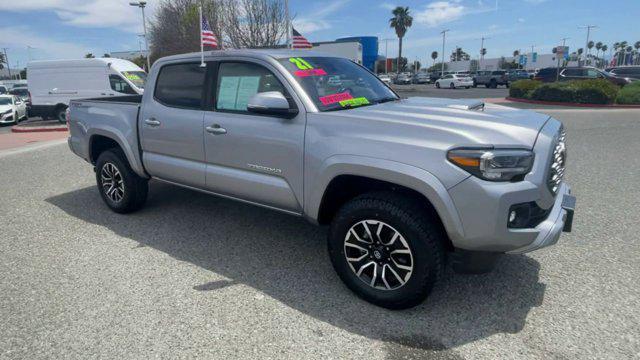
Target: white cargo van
pixel 54 83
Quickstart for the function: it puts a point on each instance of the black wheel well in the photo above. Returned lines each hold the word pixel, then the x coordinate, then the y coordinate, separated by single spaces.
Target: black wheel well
pixel 346 187
pixel 59 106
pixel 98 144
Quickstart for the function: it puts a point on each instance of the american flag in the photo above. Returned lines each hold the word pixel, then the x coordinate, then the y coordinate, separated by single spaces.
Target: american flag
pixel 208 38
pixel 299 41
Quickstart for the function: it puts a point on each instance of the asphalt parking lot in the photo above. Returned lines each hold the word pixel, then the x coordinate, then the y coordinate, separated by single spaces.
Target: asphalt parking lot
pixel 197 276
pixel 430 90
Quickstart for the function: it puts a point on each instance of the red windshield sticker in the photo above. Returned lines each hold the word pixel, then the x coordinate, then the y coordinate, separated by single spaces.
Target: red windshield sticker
pixel 334 98
pixel 310 72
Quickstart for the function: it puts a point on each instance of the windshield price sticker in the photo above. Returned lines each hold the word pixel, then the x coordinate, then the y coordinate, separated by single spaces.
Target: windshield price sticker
pixel 310 72
pixel 354 102
pixel 334 98
pixel 301 63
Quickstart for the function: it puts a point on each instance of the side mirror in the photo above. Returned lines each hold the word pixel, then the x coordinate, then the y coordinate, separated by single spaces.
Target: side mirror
pixel 271 103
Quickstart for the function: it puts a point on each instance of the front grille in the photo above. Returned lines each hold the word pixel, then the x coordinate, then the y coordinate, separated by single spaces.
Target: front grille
pixel 556 170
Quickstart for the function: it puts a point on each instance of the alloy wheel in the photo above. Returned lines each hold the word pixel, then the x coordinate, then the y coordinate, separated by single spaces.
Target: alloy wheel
pixel 378 255
pixel 112 182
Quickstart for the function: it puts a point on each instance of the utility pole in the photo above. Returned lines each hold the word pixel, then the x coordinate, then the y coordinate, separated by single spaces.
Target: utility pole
pixel 564 40
pixel 386 54
pixel 141 5
pixel 482 51
pixel 6 59
pixel 586 46
pixel 288 20
pixel 444 34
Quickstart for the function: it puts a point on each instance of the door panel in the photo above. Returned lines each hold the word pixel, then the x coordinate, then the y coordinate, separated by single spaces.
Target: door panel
pixel 171 126
pixel 259 158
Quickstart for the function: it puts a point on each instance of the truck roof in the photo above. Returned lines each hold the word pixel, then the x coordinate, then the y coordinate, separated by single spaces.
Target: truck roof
pixel 255 53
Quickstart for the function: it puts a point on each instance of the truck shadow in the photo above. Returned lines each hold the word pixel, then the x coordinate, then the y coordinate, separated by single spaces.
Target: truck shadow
pixel 285 258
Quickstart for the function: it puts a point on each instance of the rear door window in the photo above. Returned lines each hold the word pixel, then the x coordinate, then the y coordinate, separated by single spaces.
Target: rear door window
pixel 181 85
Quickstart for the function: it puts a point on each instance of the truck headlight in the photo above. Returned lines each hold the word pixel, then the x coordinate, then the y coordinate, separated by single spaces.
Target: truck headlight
pixel 493 164
pixel 6 112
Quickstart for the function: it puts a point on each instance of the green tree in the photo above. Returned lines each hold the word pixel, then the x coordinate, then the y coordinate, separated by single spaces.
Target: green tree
pixel 89 56
pixel 2 61
pixel 459 55
pixel 400 22
pixel 516 53
pixel 598 48
pixel 434 56
pixel 105 55
pixel 436 67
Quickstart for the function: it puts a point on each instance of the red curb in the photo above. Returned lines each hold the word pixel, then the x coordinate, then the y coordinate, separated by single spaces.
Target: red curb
pixel 27 129
pixel 614 106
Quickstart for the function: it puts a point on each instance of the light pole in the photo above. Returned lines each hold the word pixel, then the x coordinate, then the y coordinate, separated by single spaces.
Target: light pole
pixel 141 5
pixel 482 51
pixel 386 54
pixel 444 34
pixel 564 40
pixel 586 47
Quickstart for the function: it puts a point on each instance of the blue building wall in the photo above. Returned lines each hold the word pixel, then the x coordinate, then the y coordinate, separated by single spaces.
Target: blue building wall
pixel 369 49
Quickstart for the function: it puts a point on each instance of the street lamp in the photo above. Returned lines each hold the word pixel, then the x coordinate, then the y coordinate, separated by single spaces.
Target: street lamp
pixel 588 27
pixel 141 5
pixel 444 33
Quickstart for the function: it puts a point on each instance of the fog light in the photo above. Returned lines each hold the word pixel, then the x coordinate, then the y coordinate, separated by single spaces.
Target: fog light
pixel 512 216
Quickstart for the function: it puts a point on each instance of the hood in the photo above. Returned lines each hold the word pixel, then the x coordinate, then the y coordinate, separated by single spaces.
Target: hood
pixel 4 108
pixel 456 122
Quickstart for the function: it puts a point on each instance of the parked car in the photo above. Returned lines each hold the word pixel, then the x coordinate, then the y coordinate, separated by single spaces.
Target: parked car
pixel 19 86
pixel 433 76
pixel 491 79
pixel 403 79
pixel 420 78
pixel 579 73
pixel 12 109
pixel 54 83
pixel 404 184
pixel 3 89
pixel 631 72
pixel 516 75
pixel 454 81
pixel 23 94
pixel 385 78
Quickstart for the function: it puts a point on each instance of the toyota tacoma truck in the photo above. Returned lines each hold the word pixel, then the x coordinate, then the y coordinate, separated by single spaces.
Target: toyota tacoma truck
pixel 404 185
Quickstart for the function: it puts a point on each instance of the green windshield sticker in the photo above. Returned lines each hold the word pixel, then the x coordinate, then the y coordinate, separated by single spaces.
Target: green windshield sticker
pixel 132 77
pixel 354 102
pixel 301 63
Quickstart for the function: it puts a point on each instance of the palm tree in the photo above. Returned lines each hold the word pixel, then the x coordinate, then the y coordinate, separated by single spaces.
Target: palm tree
pixel 590 45
pixel 598 47
pixel 516 53
pixel 401 22
pixel 434 56
pixel 604 52
pixel 637 46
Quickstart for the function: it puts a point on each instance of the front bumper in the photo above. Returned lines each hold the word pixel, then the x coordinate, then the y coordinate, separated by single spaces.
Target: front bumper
pixel 8 118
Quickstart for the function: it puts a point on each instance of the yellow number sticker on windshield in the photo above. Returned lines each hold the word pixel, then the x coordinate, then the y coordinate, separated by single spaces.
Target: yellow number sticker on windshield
pixel 354 102
pixel 301 63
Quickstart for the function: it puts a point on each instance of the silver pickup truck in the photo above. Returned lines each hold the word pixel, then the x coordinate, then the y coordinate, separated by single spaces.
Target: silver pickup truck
pixel 405 185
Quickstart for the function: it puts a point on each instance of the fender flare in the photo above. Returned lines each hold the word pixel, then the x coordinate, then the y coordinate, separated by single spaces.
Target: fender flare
pixel 394 172
pixel 133 157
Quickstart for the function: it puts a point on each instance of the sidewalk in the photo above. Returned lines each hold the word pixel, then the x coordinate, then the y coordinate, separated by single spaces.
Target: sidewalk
pixel 14 140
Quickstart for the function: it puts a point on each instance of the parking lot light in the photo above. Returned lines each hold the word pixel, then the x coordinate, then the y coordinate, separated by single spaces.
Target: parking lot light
pixel 141 5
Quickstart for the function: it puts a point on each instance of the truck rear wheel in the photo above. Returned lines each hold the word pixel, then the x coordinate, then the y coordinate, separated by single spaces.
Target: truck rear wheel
pixel 60 114
pixel 387 249
pixel 120 187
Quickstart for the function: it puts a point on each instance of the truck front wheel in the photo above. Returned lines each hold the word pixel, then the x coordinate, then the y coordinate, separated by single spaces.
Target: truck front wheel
pixel 120 187
pixel 387 249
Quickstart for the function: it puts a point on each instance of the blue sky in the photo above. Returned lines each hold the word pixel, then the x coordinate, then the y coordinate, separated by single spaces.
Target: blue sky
pixel 71 28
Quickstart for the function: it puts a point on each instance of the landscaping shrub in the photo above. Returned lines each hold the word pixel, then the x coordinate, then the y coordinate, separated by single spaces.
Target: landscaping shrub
pixel 596 91
pixel 630 94
pixel 522 88
pixel 553 92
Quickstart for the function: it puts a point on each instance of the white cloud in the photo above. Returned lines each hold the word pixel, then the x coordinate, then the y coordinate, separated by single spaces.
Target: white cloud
pixel 440 12
pixel 87 13
pixel 19 37
pixel 520 20
pixel 388 6
pixel 318 21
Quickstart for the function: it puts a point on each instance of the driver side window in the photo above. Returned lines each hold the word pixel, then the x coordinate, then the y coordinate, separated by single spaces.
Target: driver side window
pixel 120 85
pixel 238 82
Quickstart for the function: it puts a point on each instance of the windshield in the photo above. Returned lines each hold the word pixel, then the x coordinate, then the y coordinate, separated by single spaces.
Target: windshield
pixel 5 101
pixel 138 78
pixel 337 83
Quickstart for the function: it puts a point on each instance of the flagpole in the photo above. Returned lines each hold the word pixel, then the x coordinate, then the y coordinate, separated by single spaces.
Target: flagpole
pixel 202 64
pixel 286 9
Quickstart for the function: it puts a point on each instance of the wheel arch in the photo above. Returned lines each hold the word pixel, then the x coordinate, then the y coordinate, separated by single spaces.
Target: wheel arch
pixel 345 176
pixel 103 139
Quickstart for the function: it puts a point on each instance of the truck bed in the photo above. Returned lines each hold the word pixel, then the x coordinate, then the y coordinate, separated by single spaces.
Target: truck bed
pixel 115 117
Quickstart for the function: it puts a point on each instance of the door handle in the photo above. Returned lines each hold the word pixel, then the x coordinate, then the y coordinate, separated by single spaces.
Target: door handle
pixel 216 129
pixel 152 122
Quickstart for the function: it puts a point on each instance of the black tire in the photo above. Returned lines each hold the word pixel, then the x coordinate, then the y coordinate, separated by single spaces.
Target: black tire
pixel 486 85
pixel 422 233
pixel 493 84
pixel 135 188
pixel 60 114
pixel 438 85
pixel 452 86
pixel 475 85
pixel 466 87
